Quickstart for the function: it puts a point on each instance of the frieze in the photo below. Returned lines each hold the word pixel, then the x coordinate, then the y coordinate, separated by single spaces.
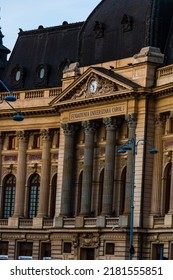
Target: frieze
pixel 9 158
pixel 37 236
pixel 98 112
pixel 35 157
pixel 13 236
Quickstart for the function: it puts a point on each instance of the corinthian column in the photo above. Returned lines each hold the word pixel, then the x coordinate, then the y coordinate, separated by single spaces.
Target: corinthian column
pixel 157 168
pixel 69 132
pixel 21 174
pixel 171 191
pixel 45 174
pixel 132 122
pixel 89 127
pixel 108 182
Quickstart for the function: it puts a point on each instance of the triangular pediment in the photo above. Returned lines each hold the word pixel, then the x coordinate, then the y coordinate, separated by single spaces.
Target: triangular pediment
pixel 93 84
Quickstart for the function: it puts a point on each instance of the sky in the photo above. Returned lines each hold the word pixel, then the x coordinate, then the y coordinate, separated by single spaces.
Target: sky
pixel 29 14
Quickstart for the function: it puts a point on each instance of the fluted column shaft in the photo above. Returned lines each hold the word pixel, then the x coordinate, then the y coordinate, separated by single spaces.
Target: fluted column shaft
pixel 45 174
pixel 108 182
pixel 157 169
pixel 89 127
pixel 69 131
pixel 21 174
pixel 132 122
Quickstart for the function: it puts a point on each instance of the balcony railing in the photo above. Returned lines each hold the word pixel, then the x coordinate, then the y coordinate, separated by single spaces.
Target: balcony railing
pixel 67 223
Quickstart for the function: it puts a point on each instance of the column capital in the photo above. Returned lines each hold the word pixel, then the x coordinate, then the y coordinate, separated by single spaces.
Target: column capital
pixel 131 120
pixel 110 123
pixel 89 126
pixel 159 120
pixel 68 128
pixel 22 135
pixel 46 134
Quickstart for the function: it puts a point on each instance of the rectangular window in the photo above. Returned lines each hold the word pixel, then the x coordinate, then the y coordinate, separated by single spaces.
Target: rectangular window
pixel 36 141
pixel 109 248
pixel 46 251
pixel 12 142
pixel 67 247
pixel 25 250
pixel 157 252
pixel 3 250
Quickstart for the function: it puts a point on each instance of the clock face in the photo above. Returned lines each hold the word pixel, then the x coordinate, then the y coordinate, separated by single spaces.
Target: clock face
pixel 93 86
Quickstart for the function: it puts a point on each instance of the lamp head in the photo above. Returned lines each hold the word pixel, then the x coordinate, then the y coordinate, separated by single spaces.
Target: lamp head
pixel 153 151
pixel 10 98
pixel 127 147
pixel 18 117
pixel 121 151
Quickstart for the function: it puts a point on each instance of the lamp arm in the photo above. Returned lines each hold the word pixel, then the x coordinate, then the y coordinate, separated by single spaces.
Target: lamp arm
pixel 12 107
pixel 5 86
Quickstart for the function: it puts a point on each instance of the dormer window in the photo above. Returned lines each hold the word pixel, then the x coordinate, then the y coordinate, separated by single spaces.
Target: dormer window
pixel 17 76
pixel 41 75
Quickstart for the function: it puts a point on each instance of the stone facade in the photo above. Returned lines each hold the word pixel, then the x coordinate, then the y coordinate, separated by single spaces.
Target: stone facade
pixel 65 190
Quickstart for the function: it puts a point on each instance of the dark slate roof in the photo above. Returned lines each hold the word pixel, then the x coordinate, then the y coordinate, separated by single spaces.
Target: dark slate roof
pixel 116 76
pixel 120 28
pixel 53 48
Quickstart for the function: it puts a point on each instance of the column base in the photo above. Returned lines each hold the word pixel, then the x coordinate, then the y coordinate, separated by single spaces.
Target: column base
pixel 37 222
pixel 13 222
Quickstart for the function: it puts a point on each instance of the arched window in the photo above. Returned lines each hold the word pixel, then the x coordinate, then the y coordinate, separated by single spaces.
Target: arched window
pixel 9 196
pixel 100 194
pixel 122 191
pixel 34 193
pixel 53 196
pixel 167 187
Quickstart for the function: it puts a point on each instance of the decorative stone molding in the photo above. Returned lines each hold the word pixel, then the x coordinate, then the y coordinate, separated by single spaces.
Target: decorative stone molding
pixel 22 135
pixel 69 129
pixel 160 120
pixel 110 123
pixel 89 126
pixel 131 120
pixel 46 134
pixel 89 240
pixel 104 87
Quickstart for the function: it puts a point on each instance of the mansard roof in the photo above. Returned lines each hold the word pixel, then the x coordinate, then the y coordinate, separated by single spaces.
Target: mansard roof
pixel 118 29
pixel 52 48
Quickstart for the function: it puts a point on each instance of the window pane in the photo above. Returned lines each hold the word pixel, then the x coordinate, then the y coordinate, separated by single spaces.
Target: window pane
pixel 34 196
pixel 9 196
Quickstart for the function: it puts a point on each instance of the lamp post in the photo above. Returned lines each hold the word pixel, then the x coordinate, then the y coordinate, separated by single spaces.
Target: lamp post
pixel 132 146
pixel 11 98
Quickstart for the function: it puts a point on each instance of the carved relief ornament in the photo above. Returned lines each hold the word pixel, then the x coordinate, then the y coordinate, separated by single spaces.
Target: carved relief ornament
pixel 103 87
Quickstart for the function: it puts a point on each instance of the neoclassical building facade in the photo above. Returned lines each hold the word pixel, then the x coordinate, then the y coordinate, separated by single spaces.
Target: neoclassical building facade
pixel 85 90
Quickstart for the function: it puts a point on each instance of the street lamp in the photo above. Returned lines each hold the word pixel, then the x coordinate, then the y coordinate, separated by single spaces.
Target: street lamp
pixel 132 145
pixel 11 98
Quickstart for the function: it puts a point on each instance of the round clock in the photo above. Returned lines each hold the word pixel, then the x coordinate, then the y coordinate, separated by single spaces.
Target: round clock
pixel 93 86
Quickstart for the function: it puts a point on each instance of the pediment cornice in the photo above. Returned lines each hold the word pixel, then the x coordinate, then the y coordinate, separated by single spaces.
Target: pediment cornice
pixel 107 84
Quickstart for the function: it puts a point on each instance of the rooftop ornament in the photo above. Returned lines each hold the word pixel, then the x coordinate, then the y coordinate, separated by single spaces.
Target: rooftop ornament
pixel 11 98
